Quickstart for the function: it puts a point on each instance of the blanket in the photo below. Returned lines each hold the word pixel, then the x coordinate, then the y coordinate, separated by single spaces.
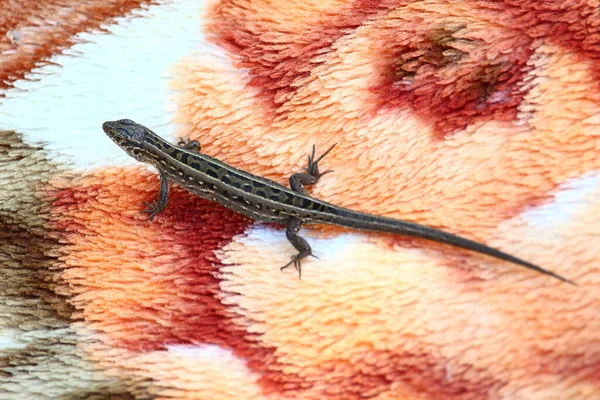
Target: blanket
pixel 481 118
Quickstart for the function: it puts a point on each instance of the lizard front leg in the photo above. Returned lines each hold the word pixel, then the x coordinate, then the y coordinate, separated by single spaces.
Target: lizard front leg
pixel 312 175
pixel 192 145
pixel 163 197
pixel 299 243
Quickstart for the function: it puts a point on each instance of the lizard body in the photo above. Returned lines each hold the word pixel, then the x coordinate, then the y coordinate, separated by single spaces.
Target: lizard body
pixel 265 200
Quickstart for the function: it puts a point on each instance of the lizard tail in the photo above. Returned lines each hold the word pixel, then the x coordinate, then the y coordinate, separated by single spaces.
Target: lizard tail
pixel 361 221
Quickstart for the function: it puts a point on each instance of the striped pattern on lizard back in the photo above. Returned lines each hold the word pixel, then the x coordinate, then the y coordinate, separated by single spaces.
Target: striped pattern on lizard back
pixel 264 200
pixel 251 195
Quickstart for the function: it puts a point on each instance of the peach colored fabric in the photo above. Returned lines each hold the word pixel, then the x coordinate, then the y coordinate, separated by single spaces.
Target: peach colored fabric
pixel 479 118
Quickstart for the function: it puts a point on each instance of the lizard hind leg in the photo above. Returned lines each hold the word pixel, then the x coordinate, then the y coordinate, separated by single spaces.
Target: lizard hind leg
pixel 312 175
pixel 299 243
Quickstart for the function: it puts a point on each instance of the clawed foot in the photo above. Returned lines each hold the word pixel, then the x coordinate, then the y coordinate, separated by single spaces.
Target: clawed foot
pixel 296 262
pixel 153 208
pixel 313 165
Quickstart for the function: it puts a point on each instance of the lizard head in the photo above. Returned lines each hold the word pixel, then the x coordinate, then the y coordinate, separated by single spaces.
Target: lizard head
pixel 128 135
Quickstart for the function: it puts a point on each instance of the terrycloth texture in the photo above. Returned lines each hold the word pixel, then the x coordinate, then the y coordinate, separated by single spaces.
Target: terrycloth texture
pixel 478 117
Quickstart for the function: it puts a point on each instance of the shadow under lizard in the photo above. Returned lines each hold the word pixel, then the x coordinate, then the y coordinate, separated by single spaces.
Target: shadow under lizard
pixel 265 200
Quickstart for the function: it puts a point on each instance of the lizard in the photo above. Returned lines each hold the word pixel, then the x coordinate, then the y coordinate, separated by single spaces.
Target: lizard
pixel 265 200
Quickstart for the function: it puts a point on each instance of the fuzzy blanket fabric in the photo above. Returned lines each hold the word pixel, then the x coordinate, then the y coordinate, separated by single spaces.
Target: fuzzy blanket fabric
pixel 478 117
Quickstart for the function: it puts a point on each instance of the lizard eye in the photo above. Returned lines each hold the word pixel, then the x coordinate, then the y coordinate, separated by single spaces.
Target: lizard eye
pixel 136 152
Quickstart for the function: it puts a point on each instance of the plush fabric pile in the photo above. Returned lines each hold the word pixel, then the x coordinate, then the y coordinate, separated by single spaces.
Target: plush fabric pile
pixel 481 118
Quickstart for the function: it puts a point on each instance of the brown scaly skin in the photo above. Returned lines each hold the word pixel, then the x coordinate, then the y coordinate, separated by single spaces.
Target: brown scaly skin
pixel 264 200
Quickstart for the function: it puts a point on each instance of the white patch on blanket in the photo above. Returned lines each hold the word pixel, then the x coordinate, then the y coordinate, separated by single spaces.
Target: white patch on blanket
pixel 322 247
pixel 262 249
pixel 567 201
pixel 11 339
pixel 124 74
pixel 199 352
pixel 199 369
